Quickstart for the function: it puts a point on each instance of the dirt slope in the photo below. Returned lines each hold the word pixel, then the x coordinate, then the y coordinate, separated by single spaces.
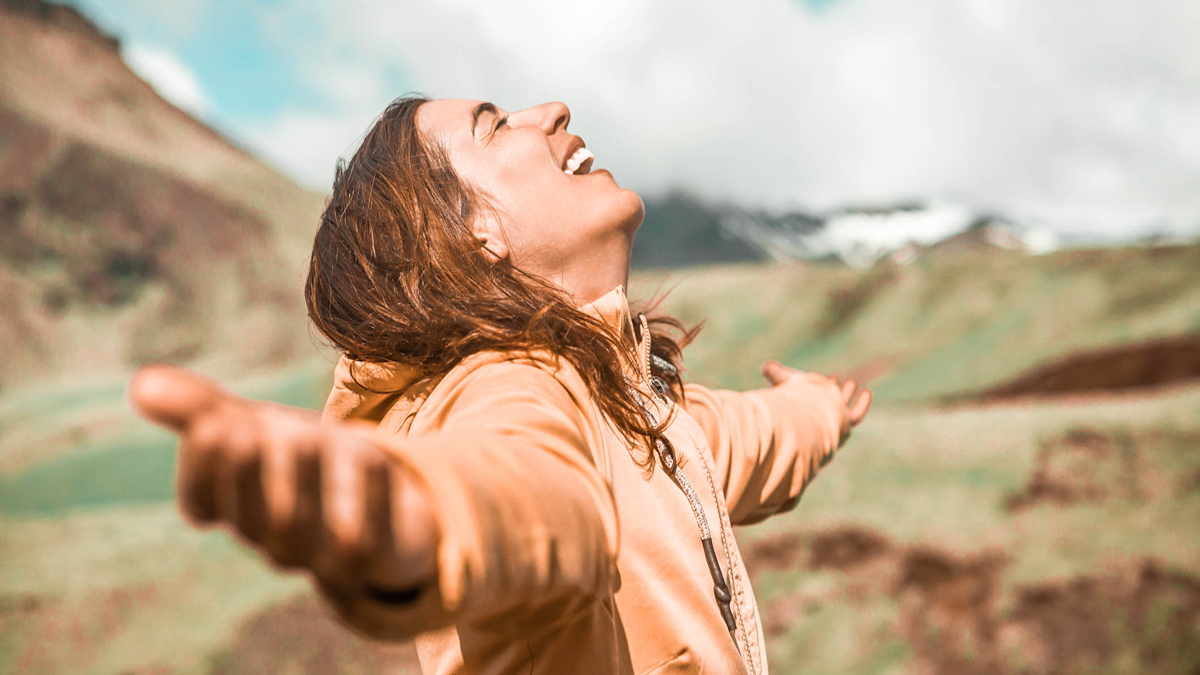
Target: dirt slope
pixel 1132 366
pixel 130 231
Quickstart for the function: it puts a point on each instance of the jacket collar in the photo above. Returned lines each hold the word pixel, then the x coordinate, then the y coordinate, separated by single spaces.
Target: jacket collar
pixel 368 390
pixel 613 309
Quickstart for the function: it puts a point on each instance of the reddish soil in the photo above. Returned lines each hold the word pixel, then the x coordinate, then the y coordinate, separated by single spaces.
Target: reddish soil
pixel 63 16
pixel 299 637
pixel 114 221
pixel 843 549
pixel 112 225
pixel 847 548
pixel 1083 465
pixel 1151 611
pixel 302 637
pixel 950 615
pixel 1133 366
pixel 1190 483
pixel 59 637
pixel 948 608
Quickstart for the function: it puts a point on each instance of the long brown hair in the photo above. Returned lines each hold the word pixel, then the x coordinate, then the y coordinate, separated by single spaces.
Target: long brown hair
pixel 397 275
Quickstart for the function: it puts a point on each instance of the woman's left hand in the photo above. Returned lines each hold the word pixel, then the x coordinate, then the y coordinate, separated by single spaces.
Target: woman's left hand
pixel 326 498
pixel 856 401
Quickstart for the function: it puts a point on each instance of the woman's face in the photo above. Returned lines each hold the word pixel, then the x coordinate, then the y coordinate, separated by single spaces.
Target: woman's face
pixel 554 221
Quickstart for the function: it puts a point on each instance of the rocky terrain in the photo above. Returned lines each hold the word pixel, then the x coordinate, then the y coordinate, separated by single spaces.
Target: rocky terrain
pixel 129 231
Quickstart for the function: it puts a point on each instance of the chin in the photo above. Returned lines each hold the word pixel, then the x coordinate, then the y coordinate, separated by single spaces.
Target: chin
pixel 619 210
pixel 633 210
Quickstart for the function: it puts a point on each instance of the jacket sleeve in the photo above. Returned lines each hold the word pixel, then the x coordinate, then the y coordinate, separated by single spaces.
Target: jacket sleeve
pixel 767 444
pixel 528 528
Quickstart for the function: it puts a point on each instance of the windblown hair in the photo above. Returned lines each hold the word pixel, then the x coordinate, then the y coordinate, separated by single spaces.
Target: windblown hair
pixel 397 275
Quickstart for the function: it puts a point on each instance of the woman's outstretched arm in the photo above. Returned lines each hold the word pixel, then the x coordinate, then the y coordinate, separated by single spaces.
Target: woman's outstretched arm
pixel 493 514
pixel 768 444
pixel 309 496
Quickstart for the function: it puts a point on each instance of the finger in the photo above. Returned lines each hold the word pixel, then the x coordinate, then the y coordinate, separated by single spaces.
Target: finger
pixel 173 396
pixel 351 461
pixel 859 410
pixel 195 472
pixel 386 568
pixel 280 411
pixel 247 508
pixel 775 372
pixel 303 537
pixel 848 390
pixel 279 479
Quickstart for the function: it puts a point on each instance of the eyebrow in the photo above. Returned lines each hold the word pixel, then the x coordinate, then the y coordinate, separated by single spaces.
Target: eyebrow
pixel 484 107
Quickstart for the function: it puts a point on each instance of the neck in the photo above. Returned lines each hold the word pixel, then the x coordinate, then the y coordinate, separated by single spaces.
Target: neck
pixel 604 269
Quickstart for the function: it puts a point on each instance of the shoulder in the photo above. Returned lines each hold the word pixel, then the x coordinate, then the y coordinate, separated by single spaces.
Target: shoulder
pixel 522 382
pixel 537 395
pixel 540 366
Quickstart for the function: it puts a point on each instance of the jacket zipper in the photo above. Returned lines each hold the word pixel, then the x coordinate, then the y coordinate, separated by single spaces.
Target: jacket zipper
pixel 721 590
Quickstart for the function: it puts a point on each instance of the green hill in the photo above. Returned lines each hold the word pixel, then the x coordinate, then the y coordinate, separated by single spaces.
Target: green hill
pixel 945 325
pixel 81 480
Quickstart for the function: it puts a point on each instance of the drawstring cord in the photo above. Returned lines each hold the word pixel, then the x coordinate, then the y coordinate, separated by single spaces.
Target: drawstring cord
pixel 667 455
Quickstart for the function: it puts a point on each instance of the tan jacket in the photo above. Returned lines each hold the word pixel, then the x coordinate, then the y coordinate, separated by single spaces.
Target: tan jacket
pixel 558 553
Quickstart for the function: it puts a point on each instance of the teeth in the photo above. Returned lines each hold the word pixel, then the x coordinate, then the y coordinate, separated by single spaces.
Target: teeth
pixel 581 156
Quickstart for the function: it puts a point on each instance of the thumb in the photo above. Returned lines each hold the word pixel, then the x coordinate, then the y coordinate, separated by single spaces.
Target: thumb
pixel 173 396
pixel 775 372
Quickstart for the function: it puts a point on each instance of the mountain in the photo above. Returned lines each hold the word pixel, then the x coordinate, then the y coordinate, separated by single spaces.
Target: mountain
pixel 130 231
pixel 680 230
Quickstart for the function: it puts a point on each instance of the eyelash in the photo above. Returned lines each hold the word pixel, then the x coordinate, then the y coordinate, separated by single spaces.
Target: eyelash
pixel 502 122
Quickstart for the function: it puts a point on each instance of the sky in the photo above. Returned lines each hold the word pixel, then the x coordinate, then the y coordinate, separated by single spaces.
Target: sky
pixel 1081 116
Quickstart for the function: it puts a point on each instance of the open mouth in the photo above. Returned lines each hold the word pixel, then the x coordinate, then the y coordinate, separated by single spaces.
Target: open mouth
pixel 580 162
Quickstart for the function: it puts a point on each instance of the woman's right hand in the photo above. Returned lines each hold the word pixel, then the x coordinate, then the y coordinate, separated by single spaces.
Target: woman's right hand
pixel 855 401
pixel 320 497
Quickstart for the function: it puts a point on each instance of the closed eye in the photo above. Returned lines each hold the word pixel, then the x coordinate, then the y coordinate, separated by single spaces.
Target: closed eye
pixel 499 123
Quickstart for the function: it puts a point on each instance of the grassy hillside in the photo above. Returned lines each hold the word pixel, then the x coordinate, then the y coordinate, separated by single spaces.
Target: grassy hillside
pixel 1051 538
pixel 926 515
pixel 944 325
pixel 938 534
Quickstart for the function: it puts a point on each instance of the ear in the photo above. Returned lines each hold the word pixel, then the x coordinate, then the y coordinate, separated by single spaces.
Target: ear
pixel 490 235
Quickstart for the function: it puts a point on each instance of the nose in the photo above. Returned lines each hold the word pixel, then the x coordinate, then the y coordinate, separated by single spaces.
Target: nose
pixel 551 116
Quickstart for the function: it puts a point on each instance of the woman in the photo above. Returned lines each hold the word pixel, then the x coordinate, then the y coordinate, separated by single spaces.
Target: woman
pixel 510 468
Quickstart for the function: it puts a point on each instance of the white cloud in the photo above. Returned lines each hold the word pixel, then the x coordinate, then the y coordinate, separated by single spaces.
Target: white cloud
pixel 307 145
pixel 1074 113
pixel 169 76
